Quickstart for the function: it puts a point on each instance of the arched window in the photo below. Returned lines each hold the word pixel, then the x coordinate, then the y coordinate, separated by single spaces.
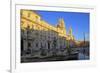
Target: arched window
pixel 36 44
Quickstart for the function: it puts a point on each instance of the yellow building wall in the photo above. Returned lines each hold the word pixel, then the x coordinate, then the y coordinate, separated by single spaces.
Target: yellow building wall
pixel 33 20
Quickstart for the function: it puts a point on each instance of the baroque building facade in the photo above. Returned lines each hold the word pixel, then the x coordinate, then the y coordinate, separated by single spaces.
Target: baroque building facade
pixel 39 38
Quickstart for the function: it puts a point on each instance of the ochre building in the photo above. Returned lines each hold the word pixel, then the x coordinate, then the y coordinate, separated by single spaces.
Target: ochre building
pixel 38 36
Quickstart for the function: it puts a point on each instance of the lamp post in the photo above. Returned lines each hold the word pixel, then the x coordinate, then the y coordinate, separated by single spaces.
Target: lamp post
pixel 84 46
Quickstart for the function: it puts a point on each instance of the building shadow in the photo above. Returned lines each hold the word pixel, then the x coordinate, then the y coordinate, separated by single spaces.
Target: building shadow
pixel 40 46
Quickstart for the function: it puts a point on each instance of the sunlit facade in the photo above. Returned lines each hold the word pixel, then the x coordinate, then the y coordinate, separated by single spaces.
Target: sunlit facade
pixel 37 35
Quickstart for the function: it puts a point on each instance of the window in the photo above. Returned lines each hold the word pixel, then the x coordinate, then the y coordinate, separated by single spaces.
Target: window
pixel 21 12
pixel 48 44
pixel 36 44
pixel 29 14
pixel 29 44
pixel 36 18
pixel 32 26
pixel 22 22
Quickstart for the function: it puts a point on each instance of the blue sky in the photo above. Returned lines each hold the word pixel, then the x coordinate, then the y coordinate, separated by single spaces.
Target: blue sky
pixel 78 21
